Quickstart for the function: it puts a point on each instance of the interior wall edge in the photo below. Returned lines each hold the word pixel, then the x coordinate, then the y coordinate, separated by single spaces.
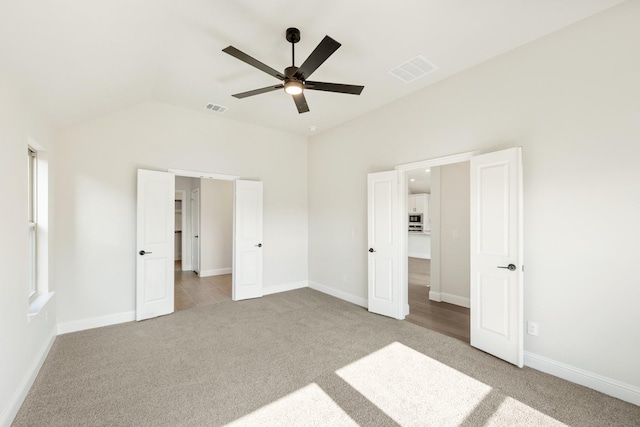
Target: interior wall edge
pixel 284 287
pixel 362 302
pixel 96 322
pixel 618 389
pixel 21 392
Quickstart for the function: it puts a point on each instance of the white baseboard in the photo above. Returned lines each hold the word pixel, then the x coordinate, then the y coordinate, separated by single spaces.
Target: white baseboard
pixel 418 255
pixel 450 298
pixel 21 393
pixel 627 392
pixel 96 322
pixel 455 299
pixel 362 302
pixel 215 272
pixel 187 267
pixel 268 290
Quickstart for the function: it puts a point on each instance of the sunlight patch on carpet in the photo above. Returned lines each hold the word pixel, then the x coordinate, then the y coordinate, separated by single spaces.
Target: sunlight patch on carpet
pixel 412 389
pixel 299 408
pixel 513 412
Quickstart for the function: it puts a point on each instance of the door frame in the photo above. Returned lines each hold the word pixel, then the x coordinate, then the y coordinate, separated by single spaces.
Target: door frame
pixel 402 201
pixel 207 175
pixel 194 196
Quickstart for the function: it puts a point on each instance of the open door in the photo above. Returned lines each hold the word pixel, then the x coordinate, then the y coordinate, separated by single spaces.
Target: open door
pixel 247 240
pixel 154 244
pixel 384 244
pixel 497 325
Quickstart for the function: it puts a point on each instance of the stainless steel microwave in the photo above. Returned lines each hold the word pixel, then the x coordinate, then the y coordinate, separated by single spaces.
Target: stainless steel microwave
pixel 415 218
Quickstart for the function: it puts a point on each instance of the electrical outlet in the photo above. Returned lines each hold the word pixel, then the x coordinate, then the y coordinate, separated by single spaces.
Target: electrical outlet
pixel 532 328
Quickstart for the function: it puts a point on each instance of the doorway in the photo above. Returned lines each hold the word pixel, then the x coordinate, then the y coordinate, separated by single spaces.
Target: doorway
pixel 495 255
pixel 438 249
pixel 155 239
pixel 180 228
pixel 206 278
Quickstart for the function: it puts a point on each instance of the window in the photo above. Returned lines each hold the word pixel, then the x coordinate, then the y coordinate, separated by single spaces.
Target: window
pixel 32 213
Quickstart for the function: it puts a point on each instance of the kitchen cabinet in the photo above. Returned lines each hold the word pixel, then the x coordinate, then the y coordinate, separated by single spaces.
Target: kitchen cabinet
pixel 419 245
pixel 419 203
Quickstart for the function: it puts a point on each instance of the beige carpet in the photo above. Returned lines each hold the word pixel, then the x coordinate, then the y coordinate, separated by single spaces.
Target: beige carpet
pixel 294 359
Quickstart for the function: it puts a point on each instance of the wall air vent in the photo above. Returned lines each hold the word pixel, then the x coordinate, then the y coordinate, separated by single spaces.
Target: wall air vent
pixel 413 69
pixel 216 108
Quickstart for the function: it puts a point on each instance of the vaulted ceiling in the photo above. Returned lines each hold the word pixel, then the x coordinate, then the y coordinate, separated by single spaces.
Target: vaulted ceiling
pixel 78 59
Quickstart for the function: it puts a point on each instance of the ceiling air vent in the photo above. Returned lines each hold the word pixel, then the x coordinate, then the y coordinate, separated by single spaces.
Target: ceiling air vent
pixel 413 69
pixel 216 108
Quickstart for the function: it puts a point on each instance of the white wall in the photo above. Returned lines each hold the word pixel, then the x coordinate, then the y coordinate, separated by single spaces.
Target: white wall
pixel 571 100
pixel 216 226
pixel 23 343
pixel 97 182
pixel 451 224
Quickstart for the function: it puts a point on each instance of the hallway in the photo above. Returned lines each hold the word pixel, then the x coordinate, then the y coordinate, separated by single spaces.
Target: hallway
pixel 448 319
pixel 191 290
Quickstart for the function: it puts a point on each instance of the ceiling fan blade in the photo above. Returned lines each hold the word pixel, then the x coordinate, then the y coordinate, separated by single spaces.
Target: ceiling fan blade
pixel 320 54
pixel 301 103
pixel 257 91
pixel 333 87
pixel 252 61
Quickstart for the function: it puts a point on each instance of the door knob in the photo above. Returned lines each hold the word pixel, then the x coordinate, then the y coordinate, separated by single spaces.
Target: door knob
pixel 259 245
pixel 144 253
pixel 372 250
pixel 510 267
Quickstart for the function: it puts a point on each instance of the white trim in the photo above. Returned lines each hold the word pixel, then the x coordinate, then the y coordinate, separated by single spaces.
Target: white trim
pixel 455 299
pixel 38 304
pixel 96 322
pixel 215 272
pixel 362 302
pixel 23 389
pixel 439 161
pixel 627 392
pixel 435 296
pixel 418 255
pixel 206 175
pixel 268 290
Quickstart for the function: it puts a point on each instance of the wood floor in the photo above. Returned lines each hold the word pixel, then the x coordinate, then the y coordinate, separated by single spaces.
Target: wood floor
pixel 448 319
pixel 192 290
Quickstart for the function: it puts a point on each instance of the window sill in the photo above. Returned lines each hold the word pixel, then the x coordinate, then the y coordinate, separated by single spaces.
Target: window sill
pixel 38 304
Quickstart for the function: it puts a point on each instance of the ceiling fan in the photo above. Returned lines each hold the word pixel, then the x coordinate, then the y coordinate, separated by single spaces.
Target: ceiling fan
pixel 295 78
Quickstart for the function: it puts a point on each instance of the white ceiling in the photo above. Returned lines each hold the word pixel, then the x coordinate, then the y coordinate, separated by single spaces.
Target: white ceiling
pixel 419 181
pixel 79 59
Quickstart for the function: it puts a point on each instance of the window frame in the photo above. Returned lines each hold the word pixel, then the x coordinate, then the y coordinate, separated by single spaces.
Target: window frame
pixel 32 221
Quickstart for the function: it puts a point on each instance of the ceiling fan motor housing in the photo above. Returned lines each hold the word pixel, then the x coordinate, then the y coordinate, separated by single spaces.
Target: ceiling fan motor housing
pixel 293 35
pixel 289 72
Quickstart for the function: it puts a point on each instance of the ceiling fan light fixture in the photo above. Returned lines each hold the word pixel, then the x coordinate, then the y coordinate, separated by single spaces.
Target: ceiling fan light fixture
pixel 293 87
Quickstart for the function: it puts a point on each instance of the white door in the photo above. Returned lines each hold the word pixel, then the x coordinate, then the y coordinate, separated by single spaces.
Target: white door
pixel 247 240
pixel 195 230
pixel 496 254
pixel 154 247
pixel 384 248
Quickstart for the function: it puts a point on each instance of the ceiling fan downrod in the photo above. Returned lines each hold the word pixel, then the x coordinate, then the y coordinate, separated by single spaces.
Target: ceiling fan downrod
pixel 293 37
